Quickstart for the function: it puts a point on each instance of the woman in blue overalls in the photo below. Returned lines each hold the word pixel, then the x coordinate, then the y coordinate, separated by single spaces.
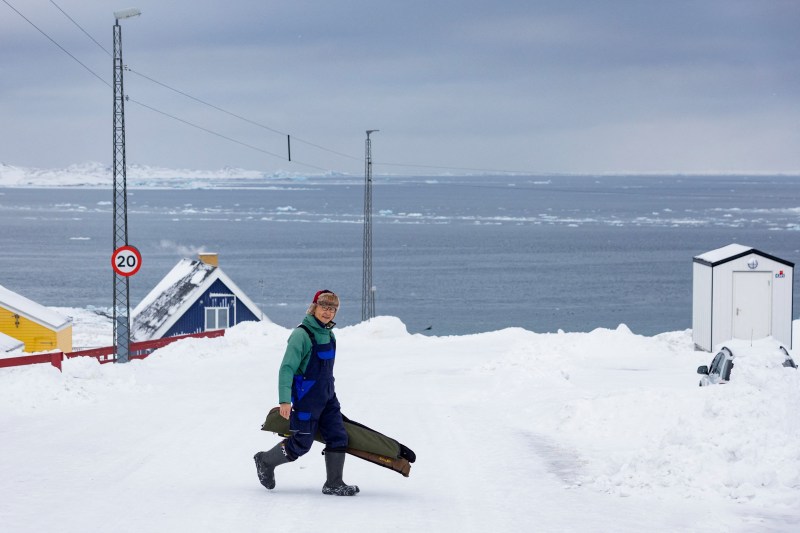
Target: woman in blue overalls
pixel 308 398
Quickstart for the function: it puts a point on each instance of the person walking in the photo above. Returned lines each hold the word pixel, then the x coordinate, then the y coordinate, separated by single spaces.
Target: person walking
pixel 307 398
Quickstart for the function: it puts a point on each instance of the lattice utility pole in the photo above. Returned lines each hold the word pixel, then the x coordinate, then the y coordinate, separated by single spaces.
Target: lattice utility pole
pixel 122 308
pixel 367 289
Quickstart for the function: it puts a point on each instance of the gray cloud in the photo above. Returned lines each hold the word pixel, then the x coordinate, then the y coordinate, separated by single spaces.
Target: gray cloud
pixel 535 86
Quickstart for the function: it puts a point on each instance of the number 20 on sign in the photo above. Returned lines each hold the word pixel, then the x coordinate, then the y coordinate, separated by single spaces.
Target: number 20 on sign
pixel 126 260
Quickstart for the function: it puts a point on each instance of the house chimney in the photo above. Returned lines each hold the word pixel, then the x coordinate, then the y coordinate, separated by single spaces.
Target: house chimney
pixel 209 258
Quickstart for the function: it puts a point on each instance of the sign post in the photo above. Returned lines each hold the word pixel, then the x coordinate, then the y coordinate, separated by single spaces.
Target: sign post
pixel 125 261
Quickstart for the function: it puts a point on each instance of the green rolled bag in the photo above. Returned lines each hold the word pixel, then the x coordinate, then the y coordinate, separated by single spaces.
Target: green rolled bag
pixel 364 443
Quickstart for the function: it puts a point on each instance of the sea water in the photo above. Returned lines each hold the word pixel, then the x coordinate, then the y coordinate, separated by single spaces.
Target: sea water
pixel 451 255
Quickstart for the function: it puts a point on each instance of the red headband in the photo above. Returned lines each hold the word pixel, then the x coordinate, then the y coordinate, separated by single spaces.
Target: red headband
pixel 319 293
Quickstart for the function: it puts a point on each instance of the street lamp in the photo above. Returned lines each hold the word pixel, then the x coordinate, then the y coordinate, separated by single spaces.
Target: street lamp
pixel 126 13
pixel 122 307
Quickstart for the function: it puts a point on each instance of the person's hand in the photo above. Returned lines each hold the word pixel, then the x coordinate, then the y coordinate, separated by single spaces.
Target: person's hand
pixel 285 410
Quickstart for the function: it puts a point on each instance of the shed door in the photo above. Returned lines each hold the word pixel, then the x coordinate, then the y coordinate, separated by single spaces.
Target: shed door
pixel 752 305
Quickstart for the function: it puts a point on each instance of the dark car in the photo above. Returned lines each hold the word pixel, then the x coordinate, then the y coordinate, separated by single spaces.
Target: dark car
pixel 720 369
pixel 789 361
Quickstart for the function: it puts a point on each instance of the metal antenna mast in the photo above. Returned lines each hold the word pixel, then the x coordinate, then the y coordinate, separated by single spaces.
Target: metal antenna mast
pixel 367 289
pixel 122 308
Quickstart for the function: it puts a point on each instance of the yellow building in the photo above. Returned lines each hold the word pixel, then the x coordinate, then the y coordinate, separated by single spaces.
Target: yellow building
pixel 40 328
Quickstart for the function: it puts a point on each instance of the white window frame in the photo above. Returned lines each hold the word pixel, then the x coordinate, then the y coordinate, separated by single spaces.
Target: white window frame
pixel 217 312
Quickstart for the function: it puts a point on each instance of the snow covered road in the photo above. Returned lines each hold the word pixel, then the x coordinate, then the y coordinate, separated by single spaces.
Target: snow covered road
pixel 514 431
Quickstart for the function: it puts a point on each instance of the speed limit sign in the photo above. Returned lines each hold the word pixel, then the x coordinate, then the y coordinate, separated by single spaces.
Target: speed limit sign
pixel 126 260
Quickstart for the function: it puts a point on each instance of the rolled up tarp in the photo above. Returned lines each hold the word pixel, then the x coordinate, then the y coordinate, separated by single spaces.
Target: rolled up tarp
pixel 364 443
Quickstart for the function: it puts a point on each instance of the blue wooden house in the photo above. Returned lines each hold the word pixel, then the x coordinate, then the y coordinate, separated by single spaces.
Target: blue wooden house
pixel 195 296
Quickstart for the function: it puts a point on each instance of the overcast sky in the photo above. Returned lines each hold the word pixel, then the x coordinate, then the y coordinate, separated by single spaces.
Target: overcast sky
pixel 525 85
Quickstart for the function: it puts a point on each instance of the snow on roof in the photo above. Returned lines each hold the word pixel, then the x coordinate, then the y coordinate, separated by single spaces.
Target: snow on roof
pixel 184 282
pixel 9 344
pixel 174 294
pixel 32 310
pixel 734 251
pixel 725 252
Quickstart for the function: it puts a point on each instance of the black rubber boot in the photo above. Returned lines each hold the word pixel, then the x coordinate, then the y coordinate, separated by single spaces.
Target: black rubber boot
pixel 334 465
pixel 266 463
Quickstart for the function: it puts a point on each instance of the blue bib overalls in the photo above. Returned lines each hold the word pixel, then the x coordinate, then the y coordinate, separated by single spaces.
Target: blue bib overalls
pixel 314 403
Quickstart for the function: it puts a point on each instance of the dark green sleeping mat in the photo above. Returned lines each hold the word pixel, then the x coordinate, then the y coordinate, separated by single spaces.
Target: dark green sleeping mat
pixel 364 443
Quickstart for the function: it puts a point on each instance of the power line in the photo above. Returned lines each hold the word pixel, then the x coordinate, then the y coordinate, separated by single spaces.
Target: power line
pixel 220 135
pixel 296 139
pixel 93 73
pixel 81 28
pixel 245 119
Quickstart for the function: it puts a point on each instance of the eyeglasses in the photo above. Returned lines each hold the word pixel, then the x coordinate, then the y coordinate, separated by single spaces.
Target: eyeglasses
pixel 329 308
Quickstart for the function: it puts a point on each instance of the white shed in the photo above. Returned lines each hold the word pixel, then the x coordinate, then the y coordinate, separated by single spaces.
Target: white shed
pixel 741 293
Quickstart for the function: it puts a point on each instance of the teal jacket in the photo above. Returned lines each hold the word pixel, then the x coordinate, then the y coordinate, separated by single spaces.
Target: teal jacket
pixel 298 351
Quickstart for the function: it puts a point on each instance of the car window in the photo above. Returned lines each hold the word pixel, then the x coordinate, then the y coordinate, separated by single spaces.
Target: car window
pixel 726 375
pixel 716 363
